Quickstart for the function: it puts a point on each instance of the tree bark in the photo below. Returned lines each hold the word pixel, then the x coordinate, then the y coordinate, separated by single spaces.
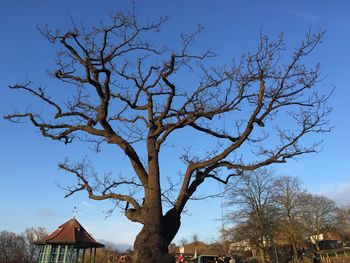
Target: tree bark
pixel 151 244
pixel 151 247
pixel 295 252
pixel 262 255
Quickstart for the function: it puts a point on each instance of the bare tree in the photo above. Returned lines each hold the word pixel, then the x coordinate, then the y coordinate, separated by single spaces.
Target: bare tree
pixel 289 200
pixel 131 93
pixel 30 250
pixel 20 248
pixel 343 223
pixel 254 211
pixel 107 254
pixel 319 216
pixel 11 250
pixel 183 242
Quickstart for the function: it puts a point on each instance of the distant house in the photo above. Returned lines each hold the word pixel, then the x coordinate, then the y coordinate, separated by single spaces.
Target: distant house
pixel 240 246
pixel 328 240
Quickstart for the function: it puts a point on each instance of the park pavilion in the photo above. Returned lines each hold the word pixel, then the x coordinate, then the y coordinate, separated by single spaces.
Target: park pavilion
pixel 70 243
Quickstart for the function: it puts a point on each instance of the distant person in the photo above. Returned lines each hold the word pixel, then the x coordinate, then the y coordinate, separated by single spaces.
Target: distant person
pixel 180 259
pixel 232 260
pixel 316 258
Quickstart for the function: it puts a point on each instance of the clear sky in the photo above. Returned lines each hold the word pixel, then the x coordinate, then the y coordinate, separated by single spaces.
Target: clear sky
pixel 29 195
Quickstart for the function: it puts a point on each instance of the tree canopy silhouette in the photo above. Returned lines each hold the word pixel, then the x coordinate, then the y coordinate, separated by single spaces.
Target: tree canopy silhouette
pixel 128 90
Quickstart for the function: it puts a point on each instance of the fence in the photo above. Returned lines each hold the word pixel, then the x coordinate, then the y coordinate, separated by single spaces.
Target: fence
pixel 336 257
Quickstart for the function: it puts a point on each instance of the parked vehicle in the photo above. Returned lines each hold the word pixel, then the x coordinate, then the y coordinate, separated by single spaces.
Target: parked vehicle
pixel 209 259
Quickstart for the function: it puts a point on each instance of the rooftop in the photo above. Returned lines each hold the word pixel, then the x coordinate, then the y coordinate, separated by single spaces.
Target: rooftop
pixel 71 233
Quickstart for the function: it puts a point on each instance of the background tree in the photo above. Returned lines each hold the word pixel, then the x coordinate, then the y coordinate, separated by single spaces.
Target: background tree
pixel 278 210
pixel 240 235
pixel 319 215
pixel 254 216
pixel 107 254
pixel 128 92
pixel 30 250
pixel 343 223
pixel 10 247
pixel 20 248
pixel 11 250
pixel 183 242
pixel 289 202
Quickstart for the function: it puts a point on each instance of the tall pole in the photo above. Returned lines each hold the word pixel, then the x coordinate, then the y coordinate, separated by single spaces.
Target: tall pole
pixel 223 239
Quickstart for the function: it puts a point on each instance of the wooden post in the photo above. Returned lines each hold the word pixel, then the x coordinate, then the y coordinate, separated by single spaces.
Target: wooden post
pixel 83 255
pixel 94 254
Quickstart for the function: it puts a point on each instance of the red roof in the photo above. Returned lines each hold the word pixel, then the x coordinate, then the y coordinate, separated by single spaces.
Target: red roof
pixel 72 233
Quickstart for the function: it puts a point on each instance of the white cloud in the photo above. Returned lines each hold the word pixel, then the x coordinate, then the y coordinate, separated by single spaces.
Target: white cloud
pixel 339 192
pixel 303 15
pixel 47 212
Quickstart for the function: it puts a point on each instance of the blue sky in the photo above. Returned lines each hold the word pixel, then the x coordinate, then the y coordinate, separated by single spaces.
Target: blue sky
pixel 29 176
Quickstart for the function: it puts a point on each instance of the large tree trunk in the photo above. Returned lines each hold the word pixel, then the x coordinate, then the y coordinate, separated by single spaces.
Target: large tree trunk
pixel 151 247
pixel 151 244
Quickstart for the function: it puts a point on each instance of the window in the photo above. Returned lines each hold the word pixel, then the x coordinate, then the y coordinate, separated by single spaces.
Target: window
pixel 61 254
pixel 44 254
pixel 58 254
pixel 74 252
pixel 54 253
